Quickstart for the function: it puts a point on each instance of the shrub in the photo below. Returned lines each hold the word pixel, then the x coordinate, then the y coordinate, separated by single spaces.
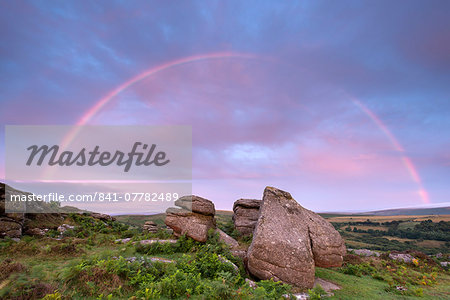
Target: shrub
pixel 274 289
pixel 359 270
pixel 317 293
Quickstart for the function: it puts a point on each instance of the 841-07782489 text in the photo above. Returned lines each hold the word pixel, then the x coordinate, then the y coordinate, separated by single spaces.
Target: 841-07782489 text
pixel 98 197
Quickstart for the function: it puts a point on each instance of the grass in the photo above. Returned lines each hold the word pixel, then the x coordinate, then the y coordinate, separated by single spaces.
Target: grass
pixel 365 287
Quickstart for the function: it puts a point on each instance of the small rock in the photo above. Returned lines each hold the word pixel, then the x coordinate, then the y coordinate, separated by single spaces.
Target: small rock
pixel 226 261
pixel 148 242
pixel 239 253
pixel 64 227
pixel 251 283
pixel 163 260
pixel 36 231
pixel 232 243
pixel 123 241
pixel 364 252
pixel 301 296
pixel 328 286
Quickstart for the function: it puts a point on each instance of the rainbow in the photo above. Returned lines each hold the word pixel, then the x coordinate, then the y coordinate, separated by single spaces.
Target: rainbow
pixel 398 147
pixel 103 101
pixel 94 109
pixel 221 55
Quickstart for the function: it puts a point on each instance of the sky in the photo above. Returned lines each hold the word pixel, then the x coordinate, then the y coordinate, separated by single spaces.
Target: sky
pixel 345 104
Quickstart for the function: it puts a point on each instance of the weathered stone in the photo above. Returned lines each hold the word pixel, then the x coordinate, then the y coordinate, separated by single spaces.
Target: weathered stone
pixel 150 226
pixel 10 228
pixel 245 215
pixel 328 247
pixel 103 217
pixel 247 203
pixel 364 252
pixel 289 241
pixel 36 231
pixel 146 242
pixel 226 261
pixel 251 283
pixel 281 247
pixel 196 204
pixel 192 224
pixel 11 224
pixel 242 254
pixel 232 243
pixel 403 257
pixel 64 227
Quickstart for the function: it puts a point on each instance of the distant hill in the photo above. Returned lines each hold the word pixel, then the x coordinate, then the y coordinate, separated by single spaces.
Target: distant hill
pixel 139 220
pixel 411 211
pixel 225 215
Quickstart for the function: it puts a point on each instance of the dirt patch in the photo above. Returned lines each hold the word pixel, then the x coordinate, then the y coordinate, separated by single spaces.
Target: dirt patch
pixel 328 286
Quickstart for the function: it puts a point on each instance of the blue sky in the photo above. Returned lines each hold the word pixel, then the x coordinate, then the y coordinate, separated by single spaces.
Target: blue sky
pixel 286 117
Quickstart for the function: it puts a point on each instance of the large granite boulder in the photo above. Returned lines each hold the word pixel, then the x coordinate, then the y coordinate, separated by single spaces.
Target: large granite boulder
pixel 327 245
pixel 195 223
pixel 290 240
pixel 195 218
pixel 197 204
pixel 245 215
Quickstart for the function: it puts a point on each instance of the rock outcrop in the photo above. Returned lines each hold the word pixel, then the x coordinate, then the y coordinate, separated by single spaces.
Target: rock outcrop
pixel 197 204
pixel 193 219
pixel 327 245
pixel 32 218
pixel 11 224
pixel 10 228
pixel 245 215
pixel 102 217
pixel 289 241
pixel 150 226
